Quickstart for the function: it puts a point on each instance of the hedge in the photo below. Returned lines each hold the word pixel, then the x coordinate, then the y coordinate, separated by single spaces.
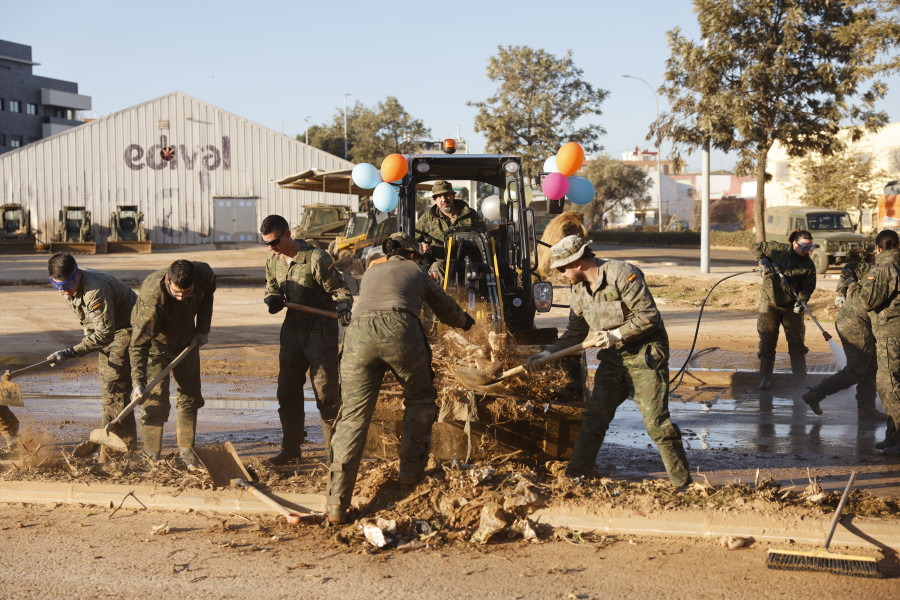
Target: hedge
pixel 735 239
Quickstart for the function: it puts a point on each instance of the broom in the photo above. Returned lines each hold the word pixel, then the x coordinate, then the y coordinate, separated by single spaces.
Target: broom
pixel 822 559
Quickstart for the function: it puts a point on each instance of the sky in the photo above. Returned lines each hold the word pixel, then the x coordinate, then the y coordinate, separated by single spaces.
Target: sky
pixel 277 63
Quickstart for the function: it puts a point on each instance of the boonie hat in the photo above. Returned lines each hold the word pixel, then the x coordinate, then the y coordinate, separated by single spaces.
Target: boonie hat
pixel 404 240
pixel 567 250
pixel 441 187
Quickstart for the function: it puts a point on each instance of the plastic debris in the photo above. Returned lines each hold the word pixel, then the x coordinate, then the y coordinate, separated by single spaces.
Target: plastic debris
pixel 493 520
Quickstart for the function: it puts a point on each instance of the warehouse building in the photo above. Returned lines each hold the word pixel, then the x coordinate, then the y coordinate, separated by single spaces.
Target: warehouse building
pixel 198 173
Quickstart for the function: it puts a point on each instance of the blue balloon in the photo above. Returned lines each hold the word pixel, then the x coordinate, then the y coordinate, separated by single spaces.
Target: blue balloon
pixel 550 165
pixel 366 176
pixel 385 197
pixel 581 190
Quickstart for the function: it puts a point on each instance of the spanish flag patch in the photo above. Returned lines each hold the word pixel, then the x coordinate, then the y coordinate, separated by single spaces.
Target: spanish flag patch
pixel 871 277
pixel 96 305
pixel 632 277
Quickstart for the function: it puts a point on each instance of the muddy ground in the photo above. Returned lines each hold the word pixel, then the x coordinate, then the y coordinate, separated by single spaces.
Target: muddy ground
pixel 80 551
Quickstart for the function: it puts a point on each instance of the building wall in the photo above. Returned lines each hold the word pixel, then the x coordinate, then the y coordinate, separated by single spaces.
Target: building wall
pixel 115 160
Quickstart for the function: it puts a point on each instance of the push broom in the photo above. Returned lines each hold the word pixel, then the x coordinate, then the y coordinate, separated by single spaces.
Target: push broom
pixel 822 559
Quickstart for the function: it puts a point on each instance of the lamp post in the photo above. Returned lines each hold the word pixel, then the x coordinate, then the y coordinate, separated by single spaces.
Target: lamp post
pixel 658 169
pixel 345 126
pixel 307 129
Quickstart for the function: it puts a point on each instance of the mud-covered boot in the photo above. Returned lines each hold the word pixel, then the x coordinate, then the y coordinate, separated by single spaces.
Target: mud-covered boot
pixel 812 399
pixel 292 435
pixel 151 440
pixel 185 430
pixel 866 411
pixel 765 376
pixel 337 515
pixel 892 450
pixel 798 365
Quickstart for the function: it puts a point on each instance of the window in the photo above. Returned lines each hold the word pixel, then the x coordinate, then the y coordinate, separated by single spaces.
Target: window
pixel 14 106
pixel 2 104
pixel 15 141
pixel 30 108
pixel 2 139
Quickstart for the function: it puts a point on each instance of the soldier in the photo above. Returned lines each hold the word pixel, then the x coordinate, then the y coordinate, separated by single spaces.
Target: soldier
pixel 855 330
pixel 880 294
pixel 300 273
pixel 174 308
pixel 447 212
pixel 386 333
pixel 777 304
pixel 613 298
pixel 103 305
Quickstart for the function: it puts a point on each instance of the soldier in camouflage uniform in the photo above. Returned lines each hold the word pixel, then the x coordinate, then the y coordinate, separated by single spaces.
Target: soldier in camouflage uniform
pixel 446 213
pixel 386 333
pixel 613 298
pixel 880 294
pixel 855 330
pixel 174 308
pixel 103 305
pixel 777 305
pixel 300 273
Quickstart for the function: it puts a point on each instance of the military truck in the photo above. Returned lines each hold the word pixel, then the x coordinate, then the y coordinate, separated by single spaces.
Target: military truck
pixel 127 233
pixel 321 224
pixel 74 232
pixel 832 230
pixel 16 236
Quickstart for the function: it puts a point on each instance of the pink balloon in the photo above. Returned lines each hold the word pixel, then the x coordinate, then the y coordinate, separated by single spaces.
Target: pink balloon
pixel 555 186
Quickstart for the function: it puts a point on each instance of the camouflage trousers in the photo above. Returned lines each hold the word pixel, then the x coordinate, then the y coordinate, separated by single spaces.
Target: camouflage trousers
pixel 155 411
pixel 642 371
pixel 9 424
pixel 767 325
pixel 888 382
pixel 115 385
pixel 374 343
pixel 308 343
pixel 859 346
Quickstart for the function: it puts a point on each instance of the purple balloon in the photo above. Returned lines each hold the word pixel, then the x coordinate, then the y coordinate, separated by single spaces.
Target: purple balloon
pixel 555 186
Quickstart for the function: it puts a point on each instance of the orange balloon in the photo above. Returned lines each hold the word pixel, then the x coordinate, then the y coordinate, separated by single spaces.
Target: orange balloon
pixel 569 158
pixel 394 167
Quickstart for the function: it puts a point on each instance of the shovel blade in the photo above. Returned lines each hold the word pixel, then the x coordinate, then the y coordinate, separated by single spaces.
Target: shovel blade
pixel 110 440
pixel 222 462
pixel 10 394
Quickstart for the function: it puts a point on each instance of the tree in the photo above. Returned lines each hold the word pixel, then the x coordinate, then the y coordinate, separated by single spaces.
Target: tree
pixel 775 70
pixel 372 133
pixel 540 104
pixel 615 185
pixel 842 180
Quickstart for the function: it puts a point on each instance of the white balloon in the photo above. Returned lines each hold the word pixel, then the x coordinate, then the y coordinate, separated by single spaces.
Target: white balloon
pixel 550 165
pixel 490 208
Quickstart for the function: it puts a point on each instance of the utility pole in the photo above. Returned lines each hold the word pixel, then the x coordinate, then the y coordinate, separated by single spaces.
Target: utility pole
pixel 345 126
pixel 659 217
pixel 307 129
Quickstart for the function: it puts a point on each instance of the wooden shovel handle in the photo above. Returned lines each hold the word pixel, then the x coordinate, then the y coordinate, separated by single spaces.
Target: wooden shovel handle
pixel 291 516
pixel 311 310
pixel 558 354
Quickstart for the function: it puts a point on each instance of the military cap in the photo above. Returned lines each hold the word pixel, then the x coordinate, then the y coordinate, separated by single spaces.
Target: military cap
pixel 441 187
pixel 404 241
pixel 567 250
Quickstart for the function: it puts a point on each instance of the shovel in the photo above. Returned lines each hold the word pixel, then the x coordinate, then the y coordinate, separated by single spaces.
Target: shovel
pixel 225 468
pixel 10 394
pixel 104 437
pixel 486 382
pixel 311 310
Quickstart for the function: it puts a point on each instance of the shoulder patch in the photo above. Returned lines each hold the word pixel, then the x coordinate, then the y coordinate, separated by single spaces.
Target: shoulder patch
pixel 96 305
pixel 632 277
pixel 870 277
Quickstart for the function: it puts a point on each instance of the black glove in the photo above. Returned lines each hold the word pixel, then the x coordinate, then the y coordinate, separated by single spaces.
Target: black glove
pixel 275 303
pixel 469 322
pixel 344 317
pixel 766 265
pixel 61 356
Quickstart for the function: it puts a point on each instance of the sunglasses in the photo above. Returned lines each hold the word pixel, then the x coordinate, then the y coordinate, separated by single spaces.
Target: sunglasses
pixel 805 246
pixel 274 241
pixel 68 284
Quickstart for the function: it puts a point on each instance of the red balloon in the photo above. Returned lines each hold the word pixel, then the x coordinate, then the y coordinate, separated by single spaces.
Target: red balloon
pixel 394 167
pixel 569 158
pixel 555 186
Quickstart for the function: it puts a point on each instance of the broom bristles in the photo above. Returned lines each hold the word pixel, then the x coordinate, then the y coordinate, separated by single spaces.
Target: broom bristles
pixel 823 561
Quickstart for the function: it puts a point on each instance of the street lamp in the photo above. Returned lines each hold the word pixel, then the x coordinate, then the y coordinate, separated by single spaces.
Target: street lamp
pixel 658 169
pixel 307 129
pixel 345 126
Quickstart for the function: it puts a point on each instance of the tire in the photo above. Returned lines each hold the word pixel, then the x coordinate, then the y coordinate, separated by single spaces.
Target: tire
pixel 820 260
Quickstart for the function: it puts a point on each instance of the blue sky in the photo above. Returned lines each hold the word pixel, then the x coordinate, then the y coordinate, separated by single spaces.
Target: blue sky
pixel 277 63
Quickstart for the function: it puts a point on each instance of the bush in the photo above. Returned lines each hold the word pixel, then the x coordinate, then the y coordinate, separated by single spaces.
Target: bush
pixel 646 238
pixel 736 239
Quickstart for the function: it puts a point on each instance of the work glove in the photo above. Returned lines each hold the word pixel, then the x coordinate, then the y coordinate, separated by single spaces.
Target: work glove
pixel 798 308
pixel 534 361
pixel 607 339
pixel 201 338
pixel 469 322
pixel 766 265
pixel 343 317
pixel 61 356
pixel 275 303
pixel 839 301
pixel 137 392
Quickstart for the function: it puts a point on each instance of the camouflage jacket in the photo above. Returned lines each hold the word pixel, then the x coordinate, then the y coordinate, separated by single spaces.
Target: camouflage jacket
pixel 879 293
pixel 308 278
pixel 434 224
pixel 852 310
pixel 620 301
pixel 157 317
pixel 799 271
pixel 103 305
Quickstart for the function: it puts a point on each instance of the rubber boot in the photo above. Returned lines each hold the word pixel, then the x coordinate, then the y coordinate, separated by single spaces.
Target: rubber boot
pixel 415 443
pixel 798 365
pixel 765 374
pixel 812 398
pixel 866 411
pixel 292 435
pixel 185 431
pixel 151 440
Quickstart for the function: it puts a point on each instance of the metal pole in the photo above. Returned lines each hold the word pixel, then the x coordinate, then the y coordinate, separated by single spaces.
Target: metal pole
pixel 345 125
pixel 704 211
pixel 659 215
pixel 307 129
